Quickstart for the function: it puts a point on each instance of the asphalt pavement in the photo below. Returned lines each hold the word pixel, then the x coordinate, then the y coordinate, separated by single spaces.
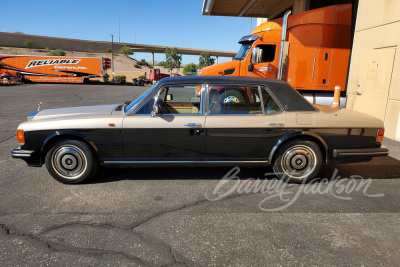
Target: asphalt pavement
pixel 188 216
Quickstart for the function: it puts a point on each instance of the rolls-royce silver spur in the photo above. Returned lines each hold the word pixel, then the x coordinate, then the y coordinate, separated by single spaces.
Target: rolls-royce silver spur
pixel 200 121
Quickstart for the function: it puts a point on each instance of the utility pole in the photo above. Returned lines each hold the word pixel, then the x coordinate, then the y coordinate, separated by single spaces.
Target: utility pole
pixel 119 26
pixel 135 43
pixel 112 58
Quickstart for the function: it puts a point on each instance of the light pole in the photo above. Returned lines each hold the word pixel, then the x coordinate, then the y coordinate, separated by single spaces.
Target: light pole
pixel 112 57
pixel 119 26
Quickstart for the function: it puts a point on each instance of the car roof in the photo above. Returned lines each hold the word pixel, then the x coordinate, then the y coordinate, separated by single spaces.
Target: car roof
pixel 289 98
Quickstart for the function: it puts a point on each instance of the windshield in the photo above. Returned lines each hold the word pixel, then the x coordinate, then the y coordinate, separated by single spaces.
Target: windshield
pixel 244 49
pixel 139 99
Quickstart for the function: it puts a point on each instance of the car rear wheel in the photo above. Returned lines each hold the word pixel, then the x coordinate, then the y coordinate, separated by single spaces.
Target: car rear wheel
pixel 298 161
pixel 71 161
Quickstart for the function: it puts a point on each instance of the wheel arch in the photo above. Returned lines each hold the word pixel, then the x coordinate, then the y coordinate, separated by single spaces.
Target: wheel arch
pixel 67 134
pixel 301 135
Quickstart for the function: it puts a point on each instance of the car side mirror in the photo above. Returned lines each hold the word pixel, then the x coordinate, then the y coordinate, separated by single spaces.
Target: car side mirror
pixel 155 111
pixel 156 107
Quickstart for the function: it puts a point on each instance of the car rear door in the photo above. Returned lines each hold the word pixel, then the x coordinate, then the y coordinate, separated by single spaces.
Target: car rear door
pixel 243 123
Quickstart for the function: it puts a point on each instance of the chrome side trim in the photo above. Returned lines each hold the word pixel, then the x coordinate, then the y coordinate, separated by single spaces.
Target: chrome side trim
pixel 180 161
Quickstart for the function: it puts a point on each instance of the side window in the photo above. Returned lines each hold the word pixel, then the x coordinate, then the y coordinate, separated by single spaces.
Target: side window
pixel 266 53
pixel 270 105
pixel 181 100
pixel 234 100
pixel 175 100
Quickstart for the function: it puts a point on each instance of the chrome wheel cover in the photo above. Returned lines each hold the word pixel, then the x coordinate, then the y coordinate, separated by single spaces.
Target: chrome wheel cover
pixel 69 161
pixel 231 99
pixel 298 161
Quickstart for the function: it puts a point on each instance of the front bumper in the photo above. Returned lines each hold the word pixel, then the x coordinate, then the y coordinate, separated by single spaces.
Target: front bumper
pixel 29 156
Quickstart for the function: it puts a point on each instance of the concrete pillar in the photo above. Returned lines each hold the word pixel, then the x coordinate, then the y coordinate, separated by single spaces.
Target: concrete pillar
pixel 152 59
pixel 216 61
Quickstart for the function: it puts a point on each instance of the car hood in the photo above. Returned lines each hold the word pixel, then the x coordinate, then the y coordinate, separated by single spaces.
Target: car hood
pixel 75 112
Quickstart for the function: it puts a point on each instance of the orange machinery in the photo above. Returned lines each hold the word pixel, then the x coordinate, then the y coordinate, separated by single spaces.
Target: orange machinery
pixel 309 50
pixel 53 69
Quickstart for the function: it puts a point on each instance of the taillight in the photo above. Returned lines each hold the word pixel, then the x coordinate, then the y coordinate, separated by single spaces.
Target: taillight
pixel 381 133
pixel 21 136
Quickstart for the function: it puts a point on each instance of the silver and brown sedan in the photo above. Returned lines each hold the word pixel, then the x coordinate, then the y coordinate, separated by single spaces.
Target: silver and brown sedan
pixel 200 121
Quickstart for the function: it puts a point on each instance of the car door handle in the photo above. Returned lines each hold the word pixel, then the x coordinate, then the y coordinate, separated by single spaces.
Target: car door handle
pixel 192 124
pixel 275 124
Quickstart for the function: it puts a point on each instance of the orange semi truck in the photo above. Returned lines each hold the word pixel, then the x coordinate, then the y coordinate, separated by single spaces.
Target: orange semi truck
pixel 52 69
pixel 309 50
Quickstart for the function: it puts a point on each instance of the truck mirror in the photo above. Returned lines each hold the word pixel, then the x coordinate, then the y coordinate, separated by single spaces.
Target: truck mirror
pixel 253 59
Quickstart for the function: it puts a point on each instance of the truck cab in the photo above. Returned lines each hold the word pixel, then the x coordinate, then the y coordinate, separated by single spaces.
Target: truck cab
pixel 309 50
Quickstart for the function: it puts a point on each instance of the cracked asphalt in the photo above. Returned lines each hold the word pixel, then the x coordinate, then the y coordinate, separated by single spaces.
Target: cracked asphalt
pixel 174 217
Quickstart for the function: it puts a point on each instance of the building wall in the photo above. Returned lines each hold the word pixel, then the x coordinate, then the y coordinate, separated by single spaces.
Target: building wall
pixel 374 80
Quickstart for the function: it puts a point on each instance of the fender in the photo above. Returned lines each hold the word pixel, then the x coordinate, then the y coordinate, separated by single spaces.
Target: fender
pixel 295 134
pixel 68 132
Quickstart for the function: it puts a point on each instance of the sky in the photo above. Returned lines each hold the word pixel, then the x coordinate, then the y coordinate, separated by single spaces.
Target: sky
pixel 158 22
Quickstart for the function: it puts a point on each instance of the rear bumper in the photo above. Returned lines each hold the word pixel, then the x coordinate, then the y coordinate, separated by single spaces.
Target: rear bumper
pixel 29 156
pixel 360 152
pixel 357 154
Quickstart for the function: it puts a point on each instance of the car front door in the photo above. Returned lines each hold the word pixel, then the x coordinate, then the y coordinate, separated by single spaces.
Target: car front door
pixel 176 133
pixel 243 123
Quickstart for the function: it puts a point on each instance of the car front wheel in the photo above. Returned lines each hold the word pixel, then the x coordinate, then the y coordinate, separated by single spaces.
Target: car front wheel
pixel 298 161
pixel 71 161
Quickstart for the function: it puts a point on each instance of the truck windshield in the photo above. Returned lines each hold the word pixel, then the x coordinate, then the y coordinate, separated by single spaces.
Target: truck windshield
pixel 244 49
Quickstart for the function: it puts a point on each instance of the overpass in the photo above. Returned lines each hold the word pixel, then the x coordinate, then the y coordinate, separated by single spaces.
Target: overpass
pixel 41 42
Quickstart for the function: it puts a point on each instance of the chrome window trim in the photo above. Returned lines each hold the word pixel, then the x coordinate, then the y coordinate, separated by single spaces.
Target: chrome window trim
pixel 261 99
pixel 275 99
pixel 204 96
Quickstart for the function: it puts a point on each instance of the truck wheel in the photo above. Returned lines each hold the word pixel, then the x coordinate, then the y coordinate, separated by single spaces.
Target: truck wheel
pixel 140 82
pixel 297 161
pixel 71 161
pixel 233 97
